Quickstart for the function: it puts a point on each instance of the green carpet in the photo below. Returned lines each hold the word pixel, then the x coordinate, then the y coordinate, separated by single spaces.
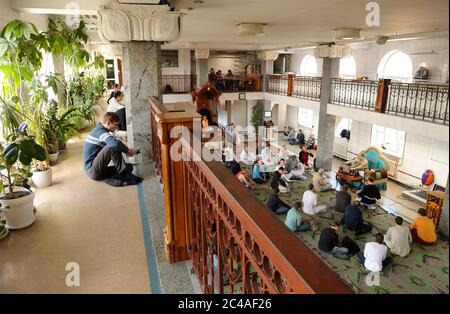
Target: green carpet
pixel 424 270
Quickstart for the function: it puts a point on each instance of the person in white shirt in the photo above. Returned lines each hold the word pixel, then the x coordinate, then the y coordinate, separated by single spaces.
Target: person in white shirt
pixel 311 204
pixel 246 157
pixel 228 155
pixel 375 257
pixel 398 238
pixel 115 103
pixel 266 155
pixel 283 153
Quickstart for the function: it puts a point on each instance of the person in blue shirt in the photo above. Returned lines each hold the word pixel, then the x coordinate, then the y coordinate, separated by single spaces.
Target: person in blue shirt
pixel 100 148
pixel 276 204
pixel 353 219
pixel 257 175
pixel 294 219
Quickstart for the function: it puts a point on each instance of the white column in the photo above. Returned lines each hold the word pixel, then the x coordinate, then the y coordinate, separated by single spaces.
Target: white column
pixel 325 139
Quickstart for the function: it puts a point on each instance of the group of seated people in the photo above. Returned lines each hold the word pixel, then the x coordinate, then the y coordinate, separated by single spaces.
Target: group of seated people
pixel 375 256
pixel 219 80
pixel 299 139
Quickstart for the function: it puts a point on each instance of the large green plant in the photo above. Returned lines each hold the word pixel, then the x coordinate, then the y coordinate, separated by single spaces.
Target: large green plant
pixel 257 116
pixel 17 154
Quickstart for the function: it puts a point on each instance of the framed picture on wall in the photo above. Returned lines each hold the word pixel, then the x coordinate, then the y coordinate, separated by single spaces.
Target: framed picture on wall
pixel 241 96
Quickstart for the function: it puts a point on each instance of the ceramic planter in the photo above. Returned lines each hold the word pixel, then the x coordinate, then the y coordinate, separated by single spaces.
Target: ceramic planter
pixel 42 179
pixel 19 212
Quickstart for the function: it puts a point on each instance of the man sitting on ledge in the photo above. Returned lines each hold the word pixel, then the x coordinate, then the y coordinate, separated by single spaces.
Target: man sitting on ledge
pixel 100 148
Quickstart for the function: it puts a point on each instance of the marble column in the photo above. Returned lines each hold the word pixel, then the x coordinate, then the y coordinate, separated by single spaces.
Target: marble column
pixel 325 138
pixel 142 79
pixel 266 69
pixel 443 224
pixel 201 70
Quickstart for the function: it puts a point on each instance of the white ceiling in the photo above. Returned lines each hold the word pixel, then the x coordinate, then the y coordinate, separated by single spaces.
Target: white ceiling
pixel 300 22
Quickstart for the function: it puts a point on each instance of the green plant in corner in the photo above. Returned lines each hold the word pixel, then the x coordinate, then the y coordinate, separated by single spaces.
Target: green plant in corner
pixel 257 116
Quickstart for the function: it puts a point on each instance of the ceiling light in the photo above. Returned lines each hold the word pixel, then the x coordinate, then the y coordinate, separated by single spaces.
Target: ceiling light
pixel 250 29
pixel 198 1
pixel 347 33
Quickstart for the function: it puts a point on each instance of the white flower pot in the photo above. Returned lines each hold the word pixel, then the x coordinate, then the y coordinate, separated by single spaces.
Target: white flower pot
pixel 53 158
pixel 42 179
pixel 19 212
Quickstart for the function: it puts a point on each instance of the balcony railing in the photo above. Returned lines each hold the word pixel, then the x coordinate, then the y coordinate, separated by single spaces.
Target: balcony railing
pixel 419 101
pixel 306 87
pixel 352 93
pixel 238 84
pixel 236 244
pixel 278 84
pixel 178 84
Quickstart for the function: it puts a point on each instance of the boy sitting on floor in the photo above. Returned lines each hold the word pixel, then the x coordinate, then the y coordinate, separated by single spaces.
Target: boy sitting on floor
pixel 294 219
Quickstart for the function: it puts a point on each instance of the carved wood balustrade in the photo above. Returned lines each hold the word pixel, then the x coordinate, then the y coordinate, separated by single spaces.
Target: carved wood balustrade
pixel 236 244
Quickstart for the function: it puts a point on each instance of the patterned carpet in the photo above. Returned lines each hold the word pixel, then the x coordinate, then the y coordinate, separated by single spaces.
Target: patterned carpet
pixel 424 270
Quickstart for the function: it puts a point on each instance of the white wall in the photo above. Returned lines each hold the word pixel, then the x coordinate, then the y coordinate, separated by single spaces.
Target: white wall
pixel 368 56
pixel 184 64
pixel 239 112
pixel 221 63
pixel 417 155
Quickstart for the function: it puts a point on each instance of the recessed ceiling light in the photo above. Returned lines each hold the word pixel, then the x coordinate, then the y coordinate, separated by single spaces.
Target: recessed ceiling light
pixel 198 1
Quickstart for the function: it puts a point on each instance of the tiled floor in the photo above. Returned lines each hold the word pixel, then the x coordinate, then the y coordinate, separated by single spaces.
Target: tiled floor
pixel 82 221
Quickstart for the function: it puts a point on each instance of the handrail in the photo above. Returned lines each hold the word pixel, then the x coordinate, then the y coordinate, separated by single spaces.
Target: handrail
pixel 156 108
pixel 252 246
pixel 428 102
pixel 178 83
pixel 354 93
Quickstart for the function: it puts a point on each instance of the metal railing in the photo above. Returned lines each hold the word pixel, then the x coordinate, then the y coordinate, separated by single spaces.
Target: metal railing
pixel 306 87
pixel 419 101
pixel 354 93
pixel 278 84
pixel 178 84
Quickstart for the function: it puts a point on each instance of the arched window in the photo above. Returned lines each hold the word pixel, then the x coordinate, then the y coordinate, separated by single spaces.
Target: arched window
pixel 308 67
pixel 397 66
pixel 347 68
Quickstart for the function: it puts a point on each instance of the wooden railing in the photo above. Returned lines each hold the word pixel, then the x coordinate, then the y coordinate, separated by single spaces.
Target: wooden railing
pixel 177 84
pixel 156 110
pixel 233 240
pixel 419 101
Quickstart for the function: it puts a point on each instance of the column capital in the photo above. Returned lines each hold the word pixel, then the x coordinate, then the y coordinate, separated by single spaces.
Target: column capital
pixel 332 51
pixel 127 22
pixel 268 55
pixel 201 53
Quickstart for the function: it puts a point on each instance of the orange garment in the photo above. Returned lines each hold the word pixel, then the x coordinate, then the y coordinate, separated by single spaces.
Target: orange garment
pixel 425 229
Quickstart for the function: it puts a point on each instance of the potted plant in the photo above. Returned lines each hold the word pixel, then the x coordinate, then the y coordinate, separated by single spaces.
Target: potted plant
pixel 16 197
pixel 42 174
